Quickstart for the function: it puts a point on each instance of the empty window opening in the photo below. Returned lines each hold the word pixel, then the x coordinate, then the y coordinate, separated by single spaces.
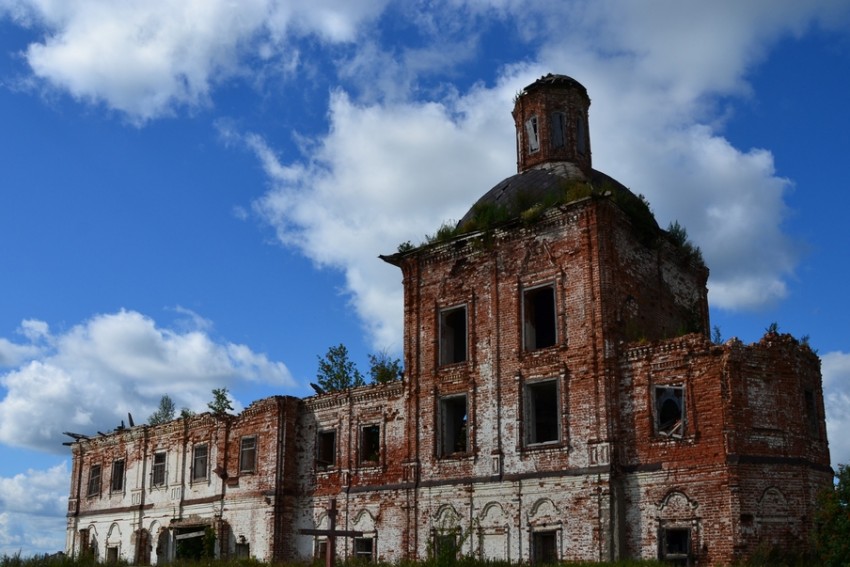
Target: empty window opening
pixel 200 458
pixel 453 335
pixel 117 475
pixel 812 419
pixel 531 131
pixel 326 448
pixel 242 549
pixel 670 411
pixel 445 545
pixel 542 415
pixel 675 546
pixel 364 548
pixel 370 444
pixel 559 129
pixel 94 481
pixel 581 135
pixel 248 454
pixel 539 327
pixel 112 555
pixel 544 546
pixel 321 549
pixel 158 470
pixel 453 415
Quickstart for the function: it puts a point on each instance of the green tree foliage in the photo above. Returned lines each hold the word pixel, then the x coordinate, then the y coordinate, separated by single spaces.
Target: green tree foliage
pixel 220 403
pixel 383 368
pixel 833 522
pixel 337 372
pixel 165 412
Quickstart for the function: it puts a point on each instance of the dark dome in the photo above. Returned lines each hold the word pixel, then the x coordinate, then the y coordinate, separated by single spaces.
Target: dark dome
pixel 545 184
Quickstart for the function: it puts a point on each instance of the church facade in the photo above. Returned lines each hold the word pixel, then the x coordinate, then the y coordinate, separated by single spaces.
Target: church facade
pixel 561 400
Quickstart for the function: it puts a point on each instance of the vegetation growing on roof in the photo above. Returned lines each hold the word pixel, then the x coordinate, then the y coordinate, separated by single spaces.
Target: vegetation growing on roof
pixel 687 251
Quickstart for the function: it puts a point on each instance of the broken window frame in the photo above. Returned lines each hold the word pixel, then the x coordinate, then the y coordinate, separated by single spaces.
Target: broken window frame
pixel 539 317
pixel 117 480
pixel 544 554
pixel 454 335
pixel 363 555
pixel 370 445
pixel 326 450
pixel 200 462
pixel 454 425
pixel 158 468
pixel 248 454
pixel 676 556
pixel 532 133
pixel 670 428
pixel 542 412
pixel 558 129
pixel 93 488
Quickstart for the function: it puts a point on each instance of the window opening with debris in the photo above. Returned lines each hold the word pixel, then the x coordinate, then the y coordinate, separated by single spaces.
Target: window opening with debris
pixel 539 329
pixel 544 547
pixel 117 484
pixel 453 335
pixel 542 415
pixel 158 470
pixel 370 444
pixel 453 425
pixel 559 129
pixel 94 481
pixel 531 131
pixel 670 411
pixel 200 459
pixel 364 549
pixel 675 546
pixel 248 454
pixel 326 448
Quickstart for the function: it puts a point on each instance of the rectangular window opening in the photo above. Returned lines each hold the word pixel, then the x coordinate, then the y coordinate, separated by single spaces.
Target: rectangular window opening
pixel 675 546
pixel 248 454
pixel 454 431
pixel 94 481
pixel 242 550
pixel 158 470
pixel 326 448
pixel 364 549
pixel 321 549
pixel 559 129
pixel 544 546
pixel 542 413
pixel 445 545
pixel 118 475
pixel 453 335
pixel 812 414
pixel 670 411
pixel 539 328
pixel 200 458
pixel 370 444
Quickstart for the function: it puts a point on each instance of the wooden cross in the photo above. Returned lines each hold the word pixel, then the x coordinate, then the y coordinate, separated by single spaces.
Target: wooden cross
pixel 332 534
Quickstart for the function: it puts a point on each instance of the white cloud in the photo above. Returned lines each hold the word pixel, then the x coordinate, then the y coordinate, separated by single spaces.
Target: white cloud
pixel 98 371
pixel 836 385
pixel 33 505
pixel 147 57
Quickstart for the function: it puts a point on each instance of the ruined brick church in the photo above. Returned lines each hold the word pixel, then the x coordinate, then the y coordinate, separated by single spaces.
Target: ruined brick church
pixel 561 400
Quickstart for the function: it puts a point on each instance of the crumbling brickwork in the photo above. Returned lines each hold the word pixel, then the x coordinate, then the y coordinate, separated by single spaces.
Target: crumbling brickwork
pixel 561 401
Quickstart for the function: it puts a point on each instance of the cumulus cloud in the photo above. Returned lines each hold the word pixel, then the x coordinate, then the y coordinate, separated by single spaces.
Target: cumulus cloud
pixel 836 385
pixel 33 505
pixel 145 58
pixel 91 376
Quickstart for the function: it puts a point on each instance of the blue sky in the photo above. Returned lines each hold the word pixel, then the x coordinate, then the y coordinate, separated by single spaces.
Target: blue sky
pixel 194 195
